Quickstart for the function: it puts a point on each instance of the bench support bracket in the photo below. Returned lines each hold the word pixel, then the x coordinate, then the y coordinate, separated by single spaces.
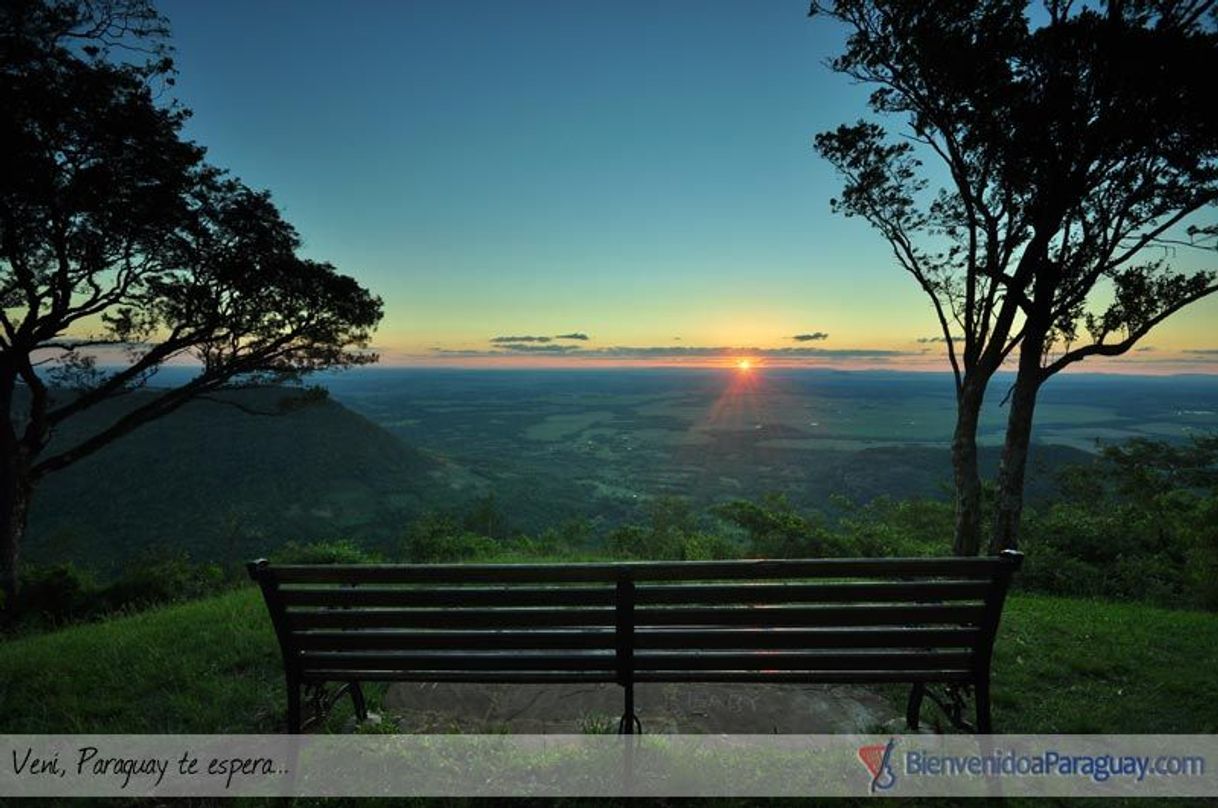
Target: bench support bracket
pixel 952 701
pixel 319 699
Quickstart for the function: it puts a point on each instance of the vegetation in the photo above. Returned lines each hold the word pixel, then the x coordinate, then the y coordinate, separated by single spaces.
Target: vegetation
pixel 1071 143
pixel 118 240
pixel 229 486
pixel 1138 523
pixel 1062 665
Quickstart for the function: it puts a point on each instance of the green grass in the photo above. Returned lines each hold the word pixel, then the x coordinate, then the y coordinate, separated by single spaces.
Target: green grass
pixel 212 666
pixel 206 666
pixel 1065 665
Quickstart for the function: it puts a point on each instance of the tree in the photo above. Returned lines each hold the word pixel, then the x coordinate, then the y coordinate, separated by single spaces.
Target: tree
pixel 1066 151
pixel 122 250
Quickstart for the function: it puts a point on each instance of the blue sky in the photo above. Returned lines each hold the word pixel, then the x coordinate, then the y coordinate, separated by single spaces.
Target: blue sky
pixel 638 172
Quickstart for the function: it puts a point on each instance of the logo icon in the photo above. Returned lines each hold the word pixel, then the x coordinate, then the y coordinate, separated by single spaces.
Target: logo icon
pixel 878 760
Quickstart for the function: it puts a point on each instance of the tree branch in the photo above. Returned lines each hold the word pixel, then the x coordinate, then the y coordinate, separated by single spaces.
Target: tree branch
pixel 1118 348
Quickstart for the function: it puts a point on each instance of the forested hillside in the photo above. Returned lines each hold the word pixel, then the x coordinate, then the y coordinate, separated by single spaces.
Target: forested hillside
pixel 222 484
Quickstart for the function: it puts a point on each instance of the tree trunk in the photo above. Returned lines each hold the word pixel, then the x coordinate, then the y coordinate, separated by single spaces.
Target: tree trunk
pixel 967 540
pixel 15 492
pixel 1011 471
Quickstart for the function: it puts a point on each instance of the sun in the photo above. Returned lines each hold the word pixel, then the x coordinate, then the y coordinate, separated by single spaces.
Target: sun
pixel 744 364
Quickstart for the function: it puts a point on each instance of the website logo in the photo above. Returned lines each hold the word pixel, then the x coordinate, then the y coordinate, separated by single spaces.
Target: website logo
pixel 878 760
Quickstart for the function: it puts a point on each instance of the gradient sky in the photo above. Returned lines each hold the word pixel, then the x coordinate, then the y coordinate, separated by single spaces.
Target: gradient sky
pixel 641 173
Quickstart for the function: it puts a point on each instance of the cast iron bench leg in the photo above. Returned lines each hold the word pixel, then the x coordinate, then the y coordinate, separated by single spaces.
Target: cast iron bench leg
pixel 982 697
pixel 913 708
pixel 357 701
pixel 294 721
pixel 629 721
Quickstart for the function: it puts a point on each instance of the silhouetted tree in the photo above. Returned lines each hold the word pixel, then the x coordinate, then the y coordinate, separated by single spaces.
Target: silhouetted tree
pixel 117 238
pixel 1069 140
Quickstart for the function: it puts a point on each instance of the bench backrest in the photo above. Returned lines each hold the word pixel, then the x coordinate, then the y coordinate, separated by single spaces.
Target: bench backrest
pixel 836 620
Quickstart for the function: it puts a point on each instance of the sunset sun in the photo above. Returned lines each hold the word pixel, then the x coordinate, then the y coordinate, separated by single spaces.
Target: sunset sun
pixel 744 364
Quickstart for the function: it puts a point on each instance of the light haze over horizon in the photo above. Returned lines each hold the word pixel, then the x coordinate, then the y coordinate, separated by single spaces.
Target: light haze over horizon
pixel 638 174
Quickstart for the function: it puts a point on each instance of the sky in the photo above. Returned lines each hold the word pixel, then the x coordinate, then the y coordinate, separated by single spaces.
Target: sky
pixel 639 174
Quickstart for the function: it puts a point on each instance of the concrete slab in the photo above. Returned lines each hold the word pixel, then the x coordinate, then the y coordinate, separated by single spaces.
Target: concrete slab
pixel 663 708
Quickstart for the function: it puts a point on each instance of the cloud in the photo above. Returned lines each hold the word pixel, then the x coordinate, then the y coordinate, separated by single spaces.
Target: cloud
pixel 533 347
pixel 690 351
pixel 573 335
pixel 679 352
pixel 1202 351
pixel 814 336
pixel 1144 349
pixel 928 340
pixel 498 340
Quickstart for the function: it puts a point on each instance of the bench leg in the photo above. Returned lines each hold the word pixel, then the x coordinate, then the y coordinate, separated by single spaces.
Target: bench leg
pixel 629 721
pixel 913 707
pixel 357 701
pixel 629 724
pixel 982 695
pixel 294 719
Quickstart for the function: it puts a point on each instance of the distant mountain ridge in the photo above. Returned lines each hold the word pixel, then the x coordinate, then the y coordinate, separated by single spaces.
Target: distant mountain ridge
pixel 226 485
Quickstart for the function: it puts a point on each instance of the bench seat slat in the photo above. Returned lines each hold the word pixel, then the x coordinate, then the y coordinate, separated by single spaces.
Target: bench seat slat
pixel 808 677
pixel 954 567
pixel 689 661
pixel 761 660
pixel 476 677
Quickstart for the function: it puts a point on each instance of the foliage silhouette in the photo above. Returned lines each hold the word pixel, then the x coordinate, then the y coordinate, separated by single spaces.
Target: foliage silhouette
pixel 117 239
pixel 1069 150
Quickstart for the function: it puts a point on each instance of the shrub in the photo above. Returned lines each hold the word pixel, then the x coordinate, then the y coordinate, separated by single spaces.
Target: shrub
pixel 436 538
pixel 343 551
pixel 775 530
pixel 154 580
pixel 885 527
pixel 709 547
pixel 56 594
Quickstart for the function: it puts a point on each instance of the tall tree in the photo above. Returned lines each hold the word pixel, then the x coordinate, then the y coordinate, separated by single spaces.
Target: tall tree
pixel 117 240
pixel 1065 143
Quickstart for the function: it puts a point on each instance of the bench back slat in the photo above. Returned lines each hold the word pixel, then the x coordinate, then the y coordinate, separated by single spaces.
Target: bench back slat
pixel 443 661
pixel 776 639
pixel 657 639
pixel 821 616
pixel 846 592
pixel 519 619
pixel 448 597
pixel 825 620
pixel 589 639
pixel 982 568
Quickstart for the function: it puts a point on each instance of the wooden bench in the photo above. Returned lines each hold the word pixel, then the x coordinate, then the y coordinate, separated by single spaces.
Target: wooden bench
pixel 921 621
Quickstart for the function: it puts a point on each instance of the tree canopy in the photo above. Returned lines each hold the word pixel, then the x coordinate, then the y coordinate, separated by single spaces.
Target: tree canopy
pixel 1045 154
pixel 122 249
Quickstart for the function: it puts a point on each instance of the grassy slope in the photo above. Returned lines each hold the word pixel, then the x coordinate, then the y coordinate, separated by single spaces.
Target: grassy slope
pixel 206 666
pixel 212 666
